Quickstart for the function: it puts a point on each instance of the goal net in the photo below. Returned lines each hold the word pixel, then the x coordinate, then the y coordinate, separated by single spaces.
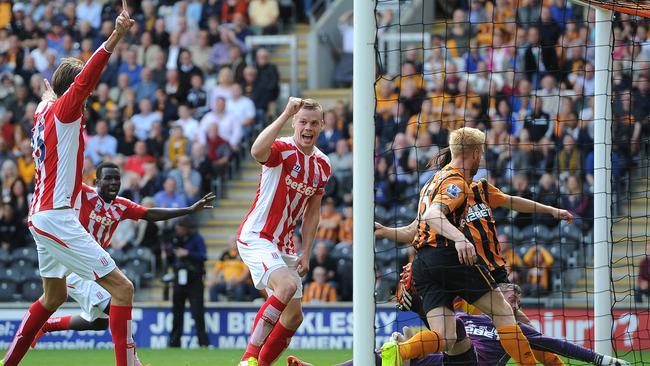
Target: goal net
pixel 524 72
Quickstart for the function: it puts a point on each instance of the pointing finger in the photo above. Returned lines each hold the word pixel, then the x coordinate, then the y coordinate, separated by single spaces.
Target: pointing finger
pixel 125 7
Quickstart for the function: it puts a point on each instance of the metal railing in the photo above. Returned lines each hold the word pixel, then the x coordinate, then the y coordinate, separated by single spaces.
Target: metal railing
pixel 390 49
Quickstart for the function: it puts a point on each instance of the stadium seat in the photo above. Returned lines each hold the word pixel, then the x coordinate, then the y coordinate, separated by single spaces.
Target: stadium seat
pixel 7 290
pixel 118 255
pixel 5 257
pixel 144 254
pixel 139 268
pixel 31 290
pixel 23 269
pixel 132 276
pixel 26 253
pixel 7 274
pixel 341 251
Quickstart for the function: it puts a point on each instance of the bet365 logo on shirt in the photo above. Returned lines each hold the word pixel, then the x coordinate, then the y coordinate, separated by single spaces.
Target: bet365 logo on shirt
pixel 102 220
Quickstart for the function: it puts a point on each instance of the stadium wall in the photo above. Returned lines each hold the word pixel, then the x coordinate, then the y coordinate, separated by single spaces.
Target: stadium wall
pixel 324 327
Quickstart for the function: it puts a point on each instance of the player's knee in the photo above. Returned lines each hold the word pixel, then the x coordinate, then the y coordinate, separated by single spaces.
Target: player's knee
pixel 125 291
pixel 52 300
pixel 294 320
pixel 285 291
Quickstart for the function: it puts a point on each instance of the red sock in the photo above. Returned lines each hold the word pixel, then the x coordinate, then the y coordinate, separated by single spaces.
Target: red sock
pixel 120 324
pixel 32 322
pixel 269 313
pixel 57 323
pixel 275 344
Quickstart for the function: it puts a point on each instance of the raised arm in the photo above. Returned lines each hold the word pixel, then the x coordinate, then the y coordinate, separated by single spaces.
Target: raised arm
pixel 521 204
pixel 161 214
pixel 261 149
pixel 402 234
pixel 69 107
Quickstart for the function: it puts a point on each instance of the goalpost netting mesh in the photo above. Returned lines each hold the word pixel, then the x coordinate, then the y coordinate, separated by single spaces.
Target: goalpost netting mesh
pixel 523 71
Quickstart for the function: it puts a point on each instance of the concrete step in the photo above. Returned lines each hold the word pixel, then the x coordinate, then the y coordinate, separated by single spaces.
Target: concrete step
pixel 212 223
pixel 242 184
pixel 328 97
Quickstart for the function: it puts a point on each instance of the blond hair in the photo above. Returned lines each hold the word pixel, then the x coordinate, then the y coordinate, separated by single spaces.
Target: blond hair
pixel 312 105
pixel 506 286
pixel 464 140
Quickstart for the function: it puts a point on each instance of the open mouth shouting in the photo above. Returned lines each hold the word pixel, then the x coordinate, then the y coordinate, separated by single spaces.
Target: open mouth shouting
pixel 307 138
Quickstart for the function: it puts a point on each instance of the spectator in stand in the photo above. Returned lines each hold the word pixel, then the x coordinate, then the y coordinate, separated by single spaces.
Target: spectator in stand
pixel 197 97
pixel 188 180
pixel 146 88
pixel 319 291
pixel 190 126
pixel 100 102
pixel 341 161
pixel 570 160
pixel 343 72
pixel 167 107
pixel 202 165
pixel 147 235
pixel 549 95
pixel 25 162
pixel 177 145
pixel 539 123
pixel 230 129
pixel 239 26
pixel 640 106
pixel 19 200
pixel 168 197
pixel 330 219
pixel 186 69
pixel 232 7
pixel 8 175
pixel 577 202
pixel 514 263
pixel 101 144
pixel 254 90
pixel 218 150
pixel 224 86
pixel 521 188
pixel 330 135
pixel 210 8
pixel 229 278
pixel 321 258
pixel 91 12
pixel 12 229
pixel 188 33
pixel 117 93
pixel 126 144
pixel 345 228
pixel 219 55
pixel 88 172
pixel 643 278
pixel 539 262
pixel 539 58
pixel 267 74
pixel 135 163
pixel 143 120
pixel 263 15
pixel 201 52
pixel 241 107
pixel 147 52
pixel 173 51
pixel 39 55
pixel 131 68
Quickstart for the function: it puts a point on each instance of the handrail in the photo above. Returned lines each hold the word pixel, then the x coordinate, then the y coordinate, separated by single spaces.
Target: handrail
pixel 289 39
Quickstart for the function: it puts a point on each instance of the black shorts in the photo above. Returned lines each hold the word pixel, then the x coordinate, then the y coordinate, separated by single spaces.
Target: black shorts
pixel 439 278
pixel 500 275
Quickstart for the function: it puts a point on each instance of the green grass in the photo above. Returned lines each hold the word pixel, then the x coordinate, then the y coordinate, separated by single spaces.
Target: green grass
pixel 216 357
pixel 172 357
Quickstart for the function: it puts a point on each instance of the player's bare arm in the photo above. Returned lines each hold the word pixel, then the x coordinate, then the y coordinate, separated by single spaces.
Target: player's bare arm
pixel 402 234
pixel 521 204
pixel 122 25
pixel 261 149
pixel 310 222
pixel 161 214
pixel 436 217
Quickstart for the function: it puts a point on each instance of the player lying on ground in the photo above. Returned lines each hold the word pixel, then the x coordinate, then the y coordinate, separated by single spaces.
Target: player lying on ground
pixel 63 245
pixel 294 174
pixel 481 332
pixel 480 226
pixel 445 265
pixel 100 211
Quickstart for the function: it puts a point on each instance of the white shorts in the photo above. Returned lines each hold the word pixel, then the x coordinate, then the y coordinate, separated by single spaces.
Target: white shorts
pixel 91 297
pixel 64 246
pixel 262 258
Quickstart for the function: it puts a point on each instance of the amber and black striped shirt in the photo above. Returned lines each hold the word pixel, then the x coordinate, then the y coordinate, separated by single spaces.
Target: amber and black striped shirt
pixel 447 186
pixel 480 227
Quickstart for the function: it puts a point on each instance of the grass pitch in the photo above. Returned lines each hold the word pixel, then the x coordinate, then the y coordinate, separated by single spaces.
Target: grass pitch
pixel 216 357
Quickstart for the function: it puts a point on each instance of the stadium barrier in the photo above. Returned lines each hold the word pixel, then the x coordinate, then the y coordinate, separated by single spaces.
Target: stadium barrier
pixel 324 327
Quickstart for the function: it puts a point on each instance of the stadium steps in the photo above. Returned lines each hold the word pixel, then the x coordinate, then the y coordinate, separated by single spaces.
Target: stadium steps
pixel 281 57
pixel 328 97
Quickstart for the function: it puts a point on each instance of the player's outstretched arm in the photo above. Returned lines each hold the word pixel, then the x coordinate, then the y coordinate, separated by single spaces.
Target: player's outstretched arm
pixel 402 234
pixel 310 220
pixel 521 204
pixel 436 217
pixel 261 149
pixel 161 214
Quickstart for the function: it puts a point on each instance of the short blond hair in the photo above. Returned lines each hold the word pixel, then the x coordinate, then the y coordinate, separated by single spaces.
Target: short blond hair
pixel 312 105
pixel 464 140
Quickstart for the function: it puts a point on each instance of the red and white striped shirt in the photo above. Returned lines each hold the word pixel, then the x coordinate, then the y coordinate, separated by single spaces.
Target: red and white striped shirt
pixel 100 218
pixel 289 178
pixel 58 143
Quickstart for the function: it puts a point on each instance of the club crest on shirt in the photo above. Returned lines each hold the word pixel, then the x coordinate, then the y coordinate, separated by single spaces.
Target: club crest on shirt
pixel 275 256
pixel 453 190
pixel 98 206
pixel 297 168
